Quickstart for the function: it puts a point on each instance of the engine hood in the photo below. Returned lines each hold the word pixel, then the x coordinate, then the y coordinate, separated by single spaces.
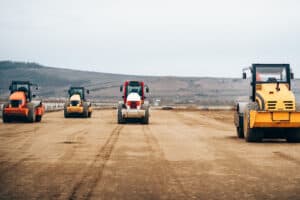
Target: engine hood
pixel 274 99
pixel 17 96
pixel 75 97
pixel 133 97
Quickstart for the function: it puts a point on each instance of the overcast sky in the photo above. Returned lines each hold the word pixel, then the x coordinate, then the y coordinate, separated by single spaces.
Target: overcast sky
pixel 154 37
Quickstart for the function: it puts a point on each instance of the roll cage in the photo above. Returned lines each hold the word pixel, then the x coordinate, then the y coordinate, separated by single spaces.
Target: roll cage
pixel 256 69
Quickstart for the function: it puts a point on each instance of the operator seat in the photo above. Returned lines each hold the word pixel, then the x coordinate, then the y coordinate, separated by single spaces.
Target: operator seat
pixel 272 79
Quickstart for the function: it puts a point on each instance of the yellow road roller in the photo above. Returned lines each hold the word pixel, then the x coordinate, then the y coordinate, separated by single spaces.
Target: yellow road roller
pixel 271 111
pixel 76 104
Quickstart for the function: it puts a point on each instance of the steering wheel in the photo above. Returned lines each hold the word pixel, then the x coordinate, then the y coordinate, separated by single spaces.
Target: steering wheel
pixel 272 79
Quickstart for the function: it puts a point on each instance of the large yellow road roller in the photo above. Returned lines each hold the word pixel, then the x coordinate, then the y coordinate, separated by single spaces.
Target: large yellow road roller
pixel 271 111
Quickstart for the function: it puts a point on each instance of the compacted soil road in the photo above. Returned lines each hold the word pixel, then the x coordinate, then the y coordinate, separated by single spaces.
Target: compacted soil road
pixel 179 155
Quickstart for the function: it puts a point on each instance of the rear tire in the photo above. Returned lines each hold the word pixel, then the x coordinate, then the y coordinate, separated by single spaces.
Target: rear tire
pixel 145 119
pixel 66 115
pixel 5 118
pixel 251 134
pixel 38 118
pixel 240 128
pixel 85 110
pixel 121 120
pixel 67 103
pixel 31 114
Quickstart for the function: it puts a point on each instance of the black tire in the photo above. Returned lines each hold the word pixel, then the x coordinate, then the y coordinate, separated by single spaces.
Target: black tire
pixel 67 103
pixel 293 135
pixel 121 120
pixel 251 134
pixel 5 118
pixel 31 114
pixel 38 118
pixel 85 110
pixel 240 128
pixel 145 119
pixel 90 114
pixel 66 115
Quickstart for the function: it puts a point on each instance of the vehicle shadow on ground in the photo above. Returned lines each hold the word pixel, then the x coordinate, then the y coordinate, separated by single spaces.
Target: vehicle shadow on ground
pixel 133 122
pixel 76 117
pixel 274 141
pixel 17 122
pixel 264 141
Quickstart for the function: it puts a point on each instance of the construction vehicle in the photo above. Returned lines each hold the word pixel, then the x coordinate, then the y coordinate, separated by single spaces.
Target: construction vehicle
pixel 271 111
pixel 20 105
pixel 76 104
pixel 134 104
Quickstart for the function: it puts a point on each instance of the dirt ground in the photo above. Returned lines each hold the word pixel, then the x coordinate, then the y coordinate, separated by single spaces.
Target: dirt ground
pixel 180 155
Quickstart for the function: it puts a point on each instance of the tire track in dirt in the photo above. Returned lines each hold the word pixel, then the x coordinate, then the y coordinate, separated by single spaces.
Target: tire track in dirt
pixel 13 166
pixel 189 121
pixel 244 171
pixel 28 140
pixel 224 170
pixel 27 144
pixel 71 142
pixel 167 179
pixel 208 121
pixel 85 187
pixel 13 133
pixel 12 136
pixel 287 157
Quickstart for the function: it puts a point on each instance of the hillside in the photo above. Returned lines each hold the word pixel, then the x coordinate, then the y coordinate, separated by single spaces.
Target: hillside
pixel 54 83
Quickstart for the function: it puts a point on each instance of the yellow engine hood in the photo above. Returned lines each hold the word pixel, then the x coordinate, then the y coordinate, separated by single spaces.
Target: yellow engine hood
pixel 281 100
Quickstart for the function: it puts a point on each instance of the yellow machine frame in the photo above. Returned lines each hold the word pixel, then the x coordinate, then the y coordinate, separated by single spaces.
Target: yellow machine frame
pixel 264 119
